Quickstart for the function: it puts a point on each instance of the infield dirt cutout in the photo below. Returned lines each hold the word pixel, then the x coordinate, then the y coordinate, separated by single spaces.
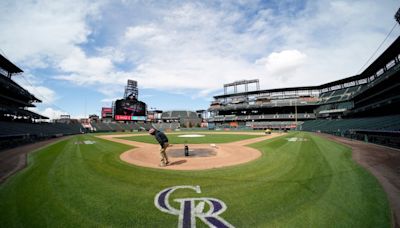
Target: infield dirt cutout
pixel 203 156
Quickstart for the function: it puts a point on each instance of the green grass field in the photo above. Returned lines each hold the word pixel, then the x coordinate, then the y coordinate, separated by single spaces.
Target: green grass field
pixel 208 138
pixel 311 183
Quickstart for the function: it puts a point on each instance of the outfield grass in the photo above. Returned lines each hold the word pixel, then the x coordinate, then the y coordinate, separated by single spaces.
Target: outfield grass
pixel 208 138
pixel 294 184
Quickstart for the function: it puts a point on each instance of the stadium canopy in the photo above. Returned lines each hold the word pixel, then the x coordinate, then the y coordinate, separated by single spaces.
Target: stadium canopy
pixel 388 55
pixel 21 113
pixel 18 102
pixel 9 66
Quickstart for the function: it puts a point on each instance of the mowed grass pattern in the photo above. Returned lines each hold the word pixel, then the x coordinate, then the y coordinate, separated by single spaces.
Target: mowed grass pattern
pixel 207 138
pixel 294 184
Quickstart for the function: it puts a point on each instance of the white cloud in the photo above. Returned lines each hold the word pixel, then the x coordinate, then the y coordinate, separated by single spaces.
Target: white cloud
pixel 87 69
pixel 53 114
pixel 283 63
pixel 203 47
pixel 46 95
pixel 112 53
pixel 109 100
pixel 39 33
pixel 195 47
pixel 35 86
pixel 49 112
pixel 140 32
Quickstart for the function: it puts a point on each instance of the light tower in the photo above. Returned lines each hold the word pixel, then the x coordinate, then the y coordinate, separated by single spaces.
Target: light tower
pixel 131 89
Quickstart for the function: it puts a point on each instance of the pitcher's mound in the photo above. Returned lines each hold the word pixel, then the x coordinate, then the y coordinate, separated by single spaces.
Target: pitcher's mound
pixel 198 152
pixel 200 156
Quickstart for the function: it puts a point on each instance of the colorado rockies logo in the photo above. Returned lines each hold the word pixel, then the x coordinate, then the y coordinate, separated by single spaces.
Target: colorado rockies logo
pixel 190 208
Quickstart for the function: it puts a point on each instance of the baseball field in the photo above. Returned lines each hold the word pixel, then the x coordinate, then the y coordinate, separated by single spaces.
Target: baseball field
pixel 300 180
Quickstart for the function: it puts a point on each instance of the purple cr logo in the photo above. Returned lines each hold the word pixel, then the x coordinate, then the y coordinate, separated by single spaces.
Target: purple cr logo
pixel 190 208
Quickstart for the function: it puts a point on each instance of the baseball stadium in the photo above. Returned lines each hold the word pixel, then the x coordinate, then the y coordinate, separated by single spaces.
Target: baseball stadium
pixel 324 155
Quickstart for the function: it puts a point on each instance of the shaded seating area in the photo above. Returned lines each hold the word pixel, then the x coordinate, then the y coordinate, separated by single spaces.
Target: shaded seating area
pixel 384 130
pixel 120 126
pixel 15 133
pixel 383 123
pixel 165 126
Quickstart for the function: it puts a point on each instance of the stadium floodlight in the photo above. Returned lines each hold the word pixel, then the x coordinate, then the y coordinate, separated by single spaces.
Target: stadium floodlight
pixel 397 16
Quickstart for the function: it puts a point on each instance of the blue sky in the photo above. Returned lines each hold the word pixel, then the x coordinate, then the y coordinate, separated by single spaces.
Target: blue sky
pixel 77 55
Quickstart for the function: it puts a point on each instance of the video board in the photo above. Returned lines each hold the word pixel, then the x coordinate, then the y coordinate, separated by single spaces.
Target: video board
pixel 129 109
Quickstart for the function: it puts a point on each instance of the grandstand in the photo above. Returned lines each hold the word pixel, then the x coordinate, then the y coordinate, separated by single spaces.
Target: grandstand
pixel 363 106
pixel 119 126
pixel 18 124
pixel 261 109
pixel 167 126
pixel 176 119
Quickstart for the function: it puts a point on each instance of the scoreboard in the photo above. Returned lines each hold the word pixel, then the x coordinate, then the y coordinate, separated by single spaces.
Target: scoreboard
pixel 106 112
pixel 129 109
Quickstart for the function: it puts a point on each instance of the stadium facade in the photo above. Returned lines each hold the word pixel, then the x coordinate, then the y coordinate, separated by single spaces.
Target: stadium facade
pixel 363 106
pixel 18 124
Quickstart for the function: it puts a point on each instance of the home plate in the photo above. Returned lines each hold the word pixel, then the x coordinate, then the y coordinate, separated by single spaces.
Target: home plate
pixel 190 136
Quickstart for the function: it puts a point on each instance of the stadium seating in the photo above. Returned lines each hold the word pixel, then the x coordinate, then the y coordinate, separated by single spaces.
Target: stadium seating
pixel 120 127
pixel 339 95
pixel 273 124
pixel 179 114
pixel 165 126
pixel 101 127
pixel 184 118
pixel 38 129
pixel 15 133
pixel 385 123
pixel 263 117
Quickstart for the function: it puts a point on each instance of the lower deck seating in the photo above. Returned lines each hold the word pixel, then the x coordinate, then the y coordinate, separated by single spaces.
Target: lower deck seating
pixel 383 123
pixel 15 133
pixel 40 129
pixel 119 127
pixel 165 126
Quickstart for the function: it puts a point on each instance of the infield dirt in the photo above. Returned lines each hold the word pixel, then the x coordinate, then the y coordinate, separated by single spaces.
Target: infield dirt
pixel 226 154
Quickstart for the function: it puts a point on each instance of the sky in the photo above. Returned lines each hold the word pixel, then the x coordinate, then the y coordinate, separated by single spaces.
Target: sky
pixel 77 55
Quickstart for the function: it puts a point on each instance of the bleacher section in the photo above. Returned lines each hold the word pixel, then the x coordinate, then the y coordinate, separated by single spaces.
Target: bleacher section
pixel 273 103
pixel 338 107
pixel 383 130
pixel 38 129
pixel 178 114
pixel 18 125
pixel 14 133
pixel 167 126
pixel 340 126
pixel 262 117
pixel 278 125
pixel 340 95
pixel 175 119
pixel 120 127
pixel 101 127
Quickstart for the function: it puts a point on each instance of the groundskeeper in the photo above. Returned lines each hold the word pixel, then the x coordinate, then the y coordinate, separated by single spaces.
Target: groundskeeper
pixel 163 141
